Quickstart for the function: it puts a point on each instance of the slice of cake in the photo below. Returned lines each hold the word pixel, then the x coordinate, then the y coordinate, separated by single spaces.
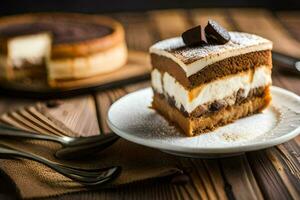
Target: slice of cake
pixel 61 46
pixel 204 85
pixel 24 55
pixel 85 46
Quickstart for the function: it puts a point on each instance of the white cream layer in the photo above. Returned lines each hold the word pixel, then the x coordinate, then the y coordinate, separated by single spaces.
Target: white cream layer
pixel 33 48
pixel 240 43
pixel 216 90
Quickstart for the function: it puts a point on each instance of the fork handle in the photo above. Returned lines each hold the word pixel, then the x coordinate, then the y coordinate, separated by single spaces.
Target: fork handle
pixel 286 62
pixel 8 152
pixel 95 139
pixel 7 132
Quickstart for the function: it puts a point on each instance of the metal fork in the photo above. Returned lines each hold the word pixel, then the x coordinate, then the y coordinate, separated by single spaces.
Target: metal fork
pixel 87 177
pixel 72 147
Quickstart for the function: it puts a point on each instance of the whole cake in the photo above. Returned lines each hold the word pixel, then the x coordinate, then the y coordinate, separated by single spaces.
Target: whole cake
pixel 210 77
pixel 62 46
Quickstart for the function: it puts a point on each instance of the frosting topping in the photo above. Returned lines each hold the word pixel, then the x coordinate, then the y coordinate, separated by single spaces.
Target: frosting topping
pixel 193 59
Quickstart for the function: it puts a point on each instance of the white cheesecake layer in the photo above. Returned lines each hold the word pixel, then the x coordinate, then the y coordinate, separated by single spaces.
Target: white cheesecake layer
pixel 33 48
pixel 215 90
pixel 82 67
pixel 240 43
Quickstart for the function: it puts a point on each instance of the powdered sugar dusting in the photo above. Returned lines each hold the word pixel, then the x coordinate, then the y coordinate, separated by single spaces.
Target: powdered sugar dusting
pixel 169 44
pixel 188 55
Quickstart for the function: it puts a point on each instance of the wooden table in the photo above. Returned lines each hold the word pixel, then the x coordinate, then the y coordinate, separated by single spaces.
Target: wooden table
pixel 272 173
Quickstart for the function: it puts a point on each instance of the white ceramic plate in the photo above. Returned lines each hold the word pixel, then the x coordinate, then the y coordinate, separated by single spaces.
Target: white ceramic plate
pixel 131 118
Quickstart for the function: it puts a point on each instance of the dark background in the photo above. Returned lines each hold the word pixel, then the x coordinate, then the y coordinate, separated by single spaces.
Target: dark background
pixel 8 7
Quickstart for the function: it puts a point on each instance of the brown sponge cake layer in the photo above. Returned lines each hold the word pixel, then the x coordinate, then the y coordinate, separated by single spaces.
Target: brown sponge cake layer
pixel 232 65
pixel 196 125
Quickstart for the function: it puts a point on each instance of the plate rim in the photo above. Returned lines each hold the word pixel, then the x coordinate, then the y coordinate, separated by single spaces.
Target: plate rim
pixel 211 150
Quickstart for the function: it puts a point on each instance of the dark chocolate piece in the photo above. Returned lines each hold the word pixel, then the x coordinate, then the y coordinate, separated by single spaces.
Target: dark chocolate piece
pixel 216 106
pixel 216 34
pixel 194 36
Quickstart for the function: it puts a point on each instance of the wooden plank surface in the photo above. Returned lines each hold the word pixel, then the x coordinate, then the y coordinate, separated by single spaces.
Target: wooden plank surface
pixel 268 174
pixel 290 20
pixel 80 109
pixel 260 22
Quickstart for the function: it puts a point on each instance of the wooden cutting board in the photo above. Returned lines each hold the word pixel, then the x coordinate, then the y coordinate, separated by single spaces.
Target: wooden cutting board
pixel 136 69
